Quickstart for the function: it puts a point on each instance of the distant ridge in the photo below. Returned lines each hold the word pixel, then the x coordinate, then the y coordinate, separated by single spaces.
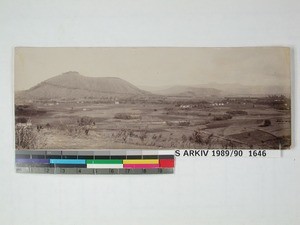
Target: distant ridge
pixel 187 91
pixel 221 90
pixel 236 89
pixel 71 85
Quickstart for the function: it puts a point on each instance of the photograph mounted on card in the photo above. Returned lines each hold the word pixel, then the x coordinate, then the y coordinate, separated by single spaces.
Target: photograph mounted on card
pixel 152 98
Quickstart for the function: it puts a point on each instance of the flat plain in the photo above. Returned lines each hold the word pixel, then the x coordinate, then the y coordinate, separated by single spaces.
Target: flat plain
pixel 170 123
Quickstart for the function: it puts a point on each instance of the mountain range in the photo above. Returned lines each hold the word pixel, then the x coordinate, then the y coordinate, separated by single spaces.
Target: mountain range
pixel 72 85
pixel 219 89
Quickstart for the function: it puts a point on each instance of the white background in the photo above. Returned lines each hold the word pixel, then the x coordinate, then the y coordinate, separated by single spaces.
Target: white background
pixel 203 190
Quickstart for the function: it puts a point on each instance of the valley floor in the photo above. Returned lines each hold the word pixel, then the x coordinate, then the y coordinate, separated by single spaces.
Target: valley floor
pixel 157 126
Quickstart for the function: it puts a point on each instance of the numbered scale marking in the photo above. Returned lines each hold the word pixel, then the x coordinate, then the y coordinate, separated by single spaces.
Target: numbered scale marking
pixel 95 162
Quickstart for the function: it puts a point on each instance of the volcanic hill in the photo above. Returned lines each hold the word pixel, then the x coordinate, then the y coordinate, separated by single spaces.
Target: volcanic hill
pixel 72 85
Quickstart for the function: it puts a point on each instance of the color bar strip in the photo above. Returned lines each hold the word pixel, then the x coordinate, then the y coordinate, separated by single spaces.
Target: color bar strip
pixel 67 161
pixel 104 166
pixel 105 161
pixel 166 163
pixel 39 161
pixel 140 166
pixel 140 161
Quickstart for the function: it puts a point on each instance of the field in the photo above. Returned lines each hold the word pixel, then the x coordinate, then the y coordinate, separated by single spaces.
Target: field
pixel 167 124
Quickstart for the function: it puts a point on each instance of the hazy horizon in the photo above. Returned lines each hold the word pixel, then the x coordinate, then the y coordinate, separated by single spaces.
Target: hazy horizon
pixel 157 67
pixel 158 86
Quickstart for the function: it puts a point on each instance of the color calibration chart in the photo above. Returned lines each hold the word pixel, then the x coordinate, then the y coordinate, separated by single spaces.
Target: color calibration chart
pixel 95 162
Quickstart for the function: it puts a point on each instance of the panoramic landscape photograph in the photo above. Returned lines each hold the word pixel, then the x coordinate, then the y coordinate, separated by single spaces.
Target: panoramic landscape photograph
pixel 152 98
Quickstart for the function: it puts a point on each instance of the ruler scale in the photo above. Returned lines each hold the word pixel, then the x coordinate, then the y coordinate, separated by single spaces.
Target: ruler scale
pixel 95 162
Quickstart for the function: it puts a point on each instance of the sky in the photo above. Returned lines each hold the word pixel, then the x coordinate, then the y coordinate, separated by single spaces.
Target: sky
pixel 156 66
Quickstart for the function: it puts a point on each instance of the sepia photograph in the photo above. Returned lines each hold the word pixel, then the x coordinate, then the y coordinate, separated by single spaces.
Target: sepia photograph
pixel 152 98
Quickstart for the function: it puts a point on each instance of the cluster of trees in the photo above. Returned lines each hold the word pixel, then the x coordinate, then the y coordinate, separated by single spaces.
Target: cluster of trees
pixel 86 123
pixel 200 138
pixel 123 134
pixel 25 137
